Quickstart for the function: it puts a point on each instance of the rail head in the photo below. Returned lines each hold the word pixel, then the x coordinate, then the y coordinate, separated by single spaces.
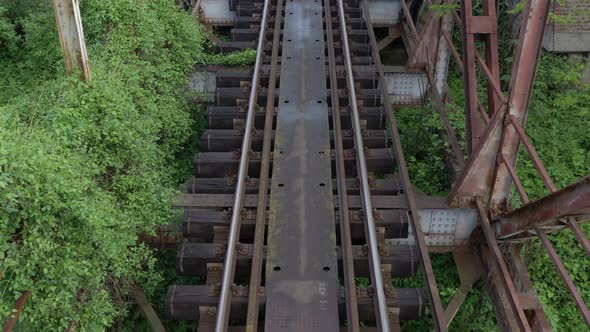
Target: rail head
pixel 233 236
pixel 383 315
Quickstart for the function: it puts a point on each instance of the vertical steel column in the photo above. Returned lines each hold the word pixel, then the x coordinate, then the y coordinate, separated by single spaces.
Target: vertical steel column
pixel 524 71
pixel 483 176
pixel 71 37
pixel 486 25
pixel 492 57
pixel 473 126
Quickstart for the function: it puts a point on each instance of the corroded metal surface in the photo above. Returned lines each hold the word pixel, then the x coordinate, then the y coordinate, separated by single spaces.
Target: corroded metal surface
pixel 573 200
pixel 304 218
pixel 483 175
pixel 301 269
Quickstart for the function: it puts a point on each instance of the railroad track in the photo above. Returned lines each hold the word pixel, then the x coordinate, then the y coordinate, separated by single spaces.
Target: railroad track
pixel 300 180
pixel 301 187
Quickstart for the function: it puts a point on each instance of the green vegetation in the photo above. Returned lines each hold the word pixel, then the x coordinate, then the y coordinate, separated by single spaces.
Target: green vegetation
pixel 238 58
pixel 557 123
pixel 85 168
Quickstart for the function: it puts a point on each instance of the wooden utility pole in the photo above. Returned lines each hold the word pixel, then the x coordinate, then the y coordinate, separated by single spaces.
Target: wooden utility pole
pixel 71 36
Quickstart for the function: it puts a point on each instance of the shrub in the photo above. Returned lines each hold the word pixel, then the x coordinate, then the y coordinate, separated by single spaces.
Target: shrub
pixel 85 168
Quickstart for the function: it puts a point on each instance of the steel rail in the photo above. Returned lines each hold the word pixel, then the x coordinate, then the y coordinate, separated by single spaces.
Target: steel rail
pixel 432 289
pixel 259 230
pixel 345 236
pixel 375 261
pixel 229 264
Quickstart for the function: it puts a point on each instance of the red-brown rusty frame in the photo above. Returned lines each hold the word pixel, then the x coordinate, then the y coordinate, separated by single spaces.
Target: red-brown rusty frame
pixel 426 45
pixel 500 264
pixel 483 176
pixel 491 167
pixel 546 243
pixel 554 257
pixel 487 26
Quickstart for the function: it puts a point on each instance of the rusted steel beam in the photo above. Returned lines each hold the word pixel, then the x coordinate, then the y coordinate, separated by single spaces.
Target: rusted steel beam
pixel 197 10
pixel 562 271
pixel 431 49
pixel 533 154
pixel 492 57
pixel 500 264
pixel 431 54
pixel 505 317
pixel 482 172
pixel 71 37
pixel 192 259
pixel 477 176
pixel 354 201
pixel 571 200
pixel 453 50
pixel 183 301
pixel 451 135
pixel 485 25
pixel 521 86
pixel 12 319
